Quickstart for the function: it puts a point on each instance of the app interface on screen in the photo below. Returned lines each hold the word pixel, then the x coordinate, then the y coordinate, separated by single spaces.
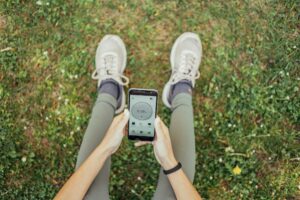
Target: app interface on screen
pixel 142 115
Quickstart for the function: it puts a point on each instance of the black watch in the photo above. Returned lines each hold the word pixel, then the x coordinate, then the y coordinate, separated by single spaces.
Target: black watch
pixel 174 169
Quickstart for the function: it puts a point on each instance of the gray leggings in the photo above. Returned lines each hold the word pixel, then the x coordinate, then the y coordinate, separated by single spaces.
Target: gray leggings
pixel 181 133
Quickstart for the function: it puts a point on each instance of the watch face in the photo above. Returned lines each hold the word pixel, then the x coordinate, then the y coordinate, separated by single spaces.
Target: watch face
pixel 142 111
pixel 142 115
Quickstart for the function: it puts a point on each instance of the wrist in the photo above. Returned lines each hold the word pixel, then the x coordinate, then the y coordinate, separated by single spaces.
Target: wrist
pixel 169 163
pixel 104 151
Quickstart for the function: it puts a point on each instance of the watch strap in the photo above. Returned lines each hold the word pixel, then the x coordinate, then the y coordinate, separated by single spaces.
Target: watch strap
pixel 172 170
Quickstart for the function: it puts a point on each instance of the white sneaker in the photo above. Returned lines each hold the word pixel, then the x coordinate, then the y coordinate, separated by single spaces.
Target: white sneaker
pixel 111 62
pixel 185 60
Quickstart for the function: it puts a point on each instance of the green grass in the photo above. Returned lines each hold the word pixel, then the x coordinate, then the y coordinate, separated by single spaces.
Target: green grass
pixel 246 103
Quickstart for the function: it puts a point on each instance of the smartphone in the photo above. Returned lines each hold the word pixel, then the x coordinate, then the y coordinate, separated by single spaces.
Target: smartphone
pixel 142 105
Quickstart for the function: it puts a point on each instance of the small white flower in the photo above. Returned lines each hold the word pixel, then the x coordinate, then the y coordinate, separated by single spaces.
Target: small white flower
pixel 210 129
pixel 228 95
pixel 294 47
pixel 262 125
pixel 25 127
pixel 78 128
pixel 270 158
pixel 72 133
pixel 24 159
pixel 62 71
pixel 45 53
pixel 234 125
pixel 64 145
pixel 47 4
pixel 287 74
pixel 76 76
pixel 47 118
pixel 256 186
pixel 39 3
pixel 287 98
pixel 229 149
pixel 139 178
pixel 59 98
pixel 220 160
pixel 229 125
pixel 210 177
pixel 271 97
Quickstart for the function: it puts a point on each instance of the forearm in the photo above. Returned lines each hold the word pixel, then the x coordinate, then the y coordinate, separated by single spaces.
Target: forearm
pixel 182 186
pixel 79 182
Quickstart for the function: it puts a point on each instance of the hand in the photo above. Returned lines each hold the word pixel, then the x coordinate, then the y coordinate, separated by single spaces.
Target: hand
pixel 162 145
pixel 115 133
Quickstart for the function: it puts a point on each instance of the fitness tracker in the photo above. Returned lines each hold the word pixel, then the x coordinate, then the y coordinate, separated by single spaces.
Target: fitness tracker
pixel 174 169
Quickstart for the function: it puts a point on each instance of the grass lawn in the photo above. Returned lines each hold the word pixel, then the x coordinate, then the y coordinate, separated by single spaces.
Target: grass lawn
pixel 246 103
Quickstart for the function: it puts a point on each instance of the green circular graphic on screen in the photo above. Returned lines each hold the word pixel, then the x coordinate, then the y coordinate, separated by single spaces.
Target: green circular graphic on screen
pixel 141 111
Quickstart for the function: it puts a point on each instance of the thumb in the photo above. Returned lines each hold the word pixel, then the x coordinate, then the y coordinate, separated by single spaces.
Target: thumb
pixel 141 143
pixel 124 119
pixel 158 128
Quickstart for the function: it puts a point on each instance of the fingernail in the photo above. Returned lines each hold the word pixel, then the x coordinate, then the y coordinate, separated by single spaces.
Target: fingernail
pixel 126 113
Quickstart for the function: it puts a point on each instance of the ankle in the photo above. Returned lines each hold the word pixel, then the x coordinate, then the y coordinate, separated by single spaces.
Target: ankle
pixel 111 87
pixel 183 86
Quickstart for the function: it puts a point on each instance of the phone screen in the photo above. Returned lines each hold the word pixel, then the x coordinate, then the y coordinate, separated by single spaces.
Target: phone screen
pixel 142 108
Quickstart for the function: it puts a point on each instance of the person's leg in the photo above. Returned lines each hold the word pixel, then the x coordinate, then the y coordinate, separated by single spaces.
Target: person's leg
pixel 102 116
pixel 110 64
pixel 185 60
pixel 183 143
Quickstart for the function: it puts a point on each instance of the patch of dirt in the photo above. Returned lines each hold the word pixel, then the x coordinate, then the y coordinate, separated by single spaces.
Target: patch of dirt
pixel 2 22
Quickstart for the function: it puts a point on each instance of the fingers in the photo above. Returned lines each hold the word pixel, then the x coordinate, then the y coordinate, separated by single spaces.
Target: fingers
pixel 158 127
pixel 141 143
pixel 126 113
pixel 125 132
pixel 122 119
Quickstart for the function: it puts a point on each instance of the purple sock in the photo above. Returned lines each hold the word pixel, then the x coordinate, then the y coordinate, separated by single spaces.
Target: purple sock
pixel 113 88
pixel 183 86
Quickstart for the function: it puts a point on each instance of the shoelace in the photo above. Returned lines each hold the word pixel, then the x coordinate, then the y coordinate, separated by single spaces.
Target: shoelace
pixel 185 71
pixel 109 69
